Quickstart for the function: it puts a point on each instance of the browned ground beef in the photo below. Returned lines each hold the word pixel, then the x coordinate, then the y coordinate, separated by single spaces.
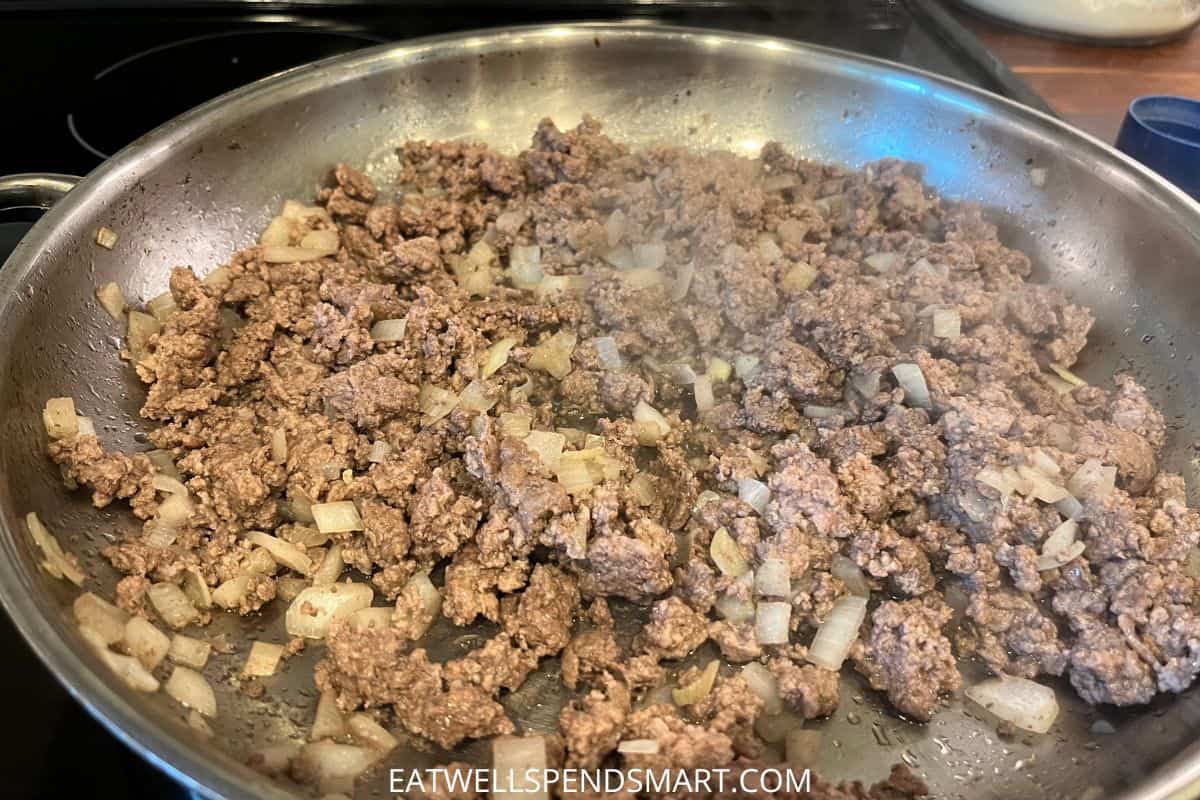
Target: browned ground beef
pixel 813 411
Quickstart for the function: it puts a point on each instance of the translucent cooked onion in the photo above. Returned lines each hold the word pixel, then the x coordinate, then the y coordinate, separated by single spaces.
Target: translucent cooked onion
pixel 737 610
pixel 112 300
pixel 799 277
pixel 641 278
pixel 1066 375
pixel 553 354
pixel 497 356
pixel 436 402
pixel 514 425
pixel 649 423
pixel 331 766
pixel 947 324
pixel 287 254
pixel 649 255
pixel 130 671
pixel 140 327
pixel 339 517
pixel 106 237
pixel 316 608
pixel 866 383
pixel 515 759
pixel 768 248
pixel 1040 460
pixel 641 486
pixel 54 560
pixel 884 262
pixel 1056 383
pixel 773 578
pixel 59 418
pixel 719 369
pixel 837 633
pixel 273 760
pixel 188 651
pixel 698 689
pixel 101 616
pixel 679 373
pixel 764 684
pixel 1092 481
pixel 912 380
pixel 377 617
pixel 86 425
pixel 145 642
pixel 1069 507
pixel 172 605
pixel 620 257
pixel 745 366
pixel 1024 703
pixel 771 622
pixel 645 747
pixel 821 412
pixel 525 265
pixel 995 479
pixel 1061 558
pixel 278 232
pixel 389 330
pixel 168 484
pixel 286 553
pixel 475 397
pixel 684 274
pixel 548 447
pixel 754 494
pixel 379 452
pixel 1041 487
pixel 573 473
pixel 229 595
pixel 726 554
pixel 429 600
pixel 703 391
pixel 367 731
pixel 614 227
pixel 331 567
pixel 192 691
pixel 328 720
pixel 162 307
pixel 607 353
pixel 262 660
pixel 849 573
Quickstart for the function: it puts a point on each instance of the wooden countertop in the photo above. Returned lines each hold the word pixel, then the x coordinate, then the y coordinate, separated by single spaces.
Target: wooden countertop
pixel 1091 86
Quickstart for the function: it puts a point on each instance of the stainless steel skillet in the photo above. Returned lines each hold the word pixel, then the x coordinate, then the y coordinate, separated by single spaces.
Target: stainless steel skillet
pixel 1121 240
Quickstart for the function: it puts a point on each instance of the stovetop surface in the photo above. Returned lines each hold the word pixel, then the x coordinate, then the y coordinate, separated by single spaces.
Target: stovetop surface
pixel 80 83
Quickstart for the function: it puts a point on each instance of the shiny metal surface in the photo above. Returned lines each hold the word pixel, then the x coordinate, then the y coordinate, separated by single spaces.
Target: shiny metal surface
pixel 34 190
pixel 1121 240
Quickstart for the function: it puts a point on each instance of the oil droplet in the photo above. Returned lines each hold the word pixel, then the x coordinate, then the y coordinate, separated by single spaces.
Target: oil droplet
pixel 909 758
pixel 880 735
pixel 853 718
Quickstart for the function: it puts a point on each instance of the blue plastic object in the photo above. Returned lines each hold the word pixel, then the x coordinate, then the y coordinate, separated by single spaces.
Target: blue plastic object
pixel 1163 132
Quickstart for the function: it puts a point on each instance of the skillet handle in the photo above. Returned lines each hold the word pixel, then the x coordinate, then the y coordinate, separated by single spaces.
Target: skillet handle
pixel 34 189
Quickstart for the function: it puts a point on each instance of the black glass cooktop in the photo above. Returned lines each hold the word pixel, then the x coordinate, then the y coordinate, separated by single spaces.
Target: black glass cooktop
pixel 79 83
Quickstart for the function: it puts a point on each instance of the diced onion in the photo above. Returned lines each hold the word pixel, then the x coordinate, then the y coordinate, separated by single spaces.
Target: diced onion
pixel 771 622
pixel 287 254
pixel 436 402
pixel 607 353
pixel 735 609
pixel 641 278
pixel 263 659
pixel 514 425
pixel 620 257
pixel 912 380
pixel 801 747
pixel 140 327
pixel 517 761
pixel 1026 704
pixel 278 232
pixel 192 691
pixel 1069 507
pixel 274 759
pixel 553 354
pixel 698 689
pixel 764 684
pixel 525 265
pixel 995 479
pixel 821 412
pixel 1092 481
pixel 837 633
pixel 229 595
pixel 366 730
pixel 726 554
pixel 429 600
pixel 145 642
pixel 259 562
pixel 106 237
pixel 883 262
pixel 745 366
pixel 719 369
pixel 379 452
pixel 947 324
pixel 1056 383
pixel 865 383
pixel 703 391
pixel 650 255
pixel 1067 375
pixel 684 274
pixel 339 517
pixel 849 573
pixel 389 330
pixel 87 426
pixel 650 424
pixel 645 747
pixel 548 447
pixel 614 227
pixel 287 553
pixel 1063 557
pixel 172 605
pixel 497 356
pixel 474 397
pixel 642 488
pixel 768 249
pixel 331 567
pixel 773 578
pixel 162 307
pixel 680 374
pixel 168 484
pixel 188 651
pixel 377 617
pixel 1040 460
pixel 799 277
pixel 754 494
pixel 176 509
pixel 130 671
pixel 328 721
pixel 324 241
pixel 112 300
pixel 332 766
pixel 196 588
pixel 573 473
pixel 59 418
pixel 1040 486
pixel 101 616
pixel 318 607
pixel 54 560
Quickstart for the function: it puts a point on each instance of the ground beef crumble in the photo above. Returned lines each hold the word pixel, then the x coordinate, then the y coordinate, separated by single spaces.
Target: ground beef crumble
pixel 793 299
